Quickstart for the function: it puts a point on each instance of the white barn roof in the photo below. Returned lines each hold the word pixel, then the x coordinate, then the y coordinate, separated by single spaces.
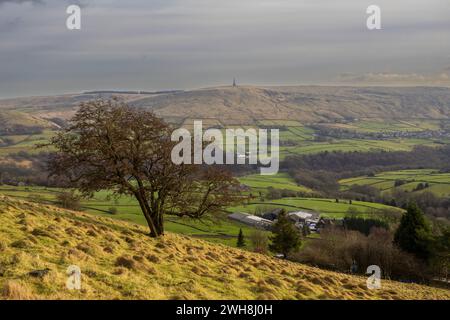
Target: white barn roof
pixel 301 214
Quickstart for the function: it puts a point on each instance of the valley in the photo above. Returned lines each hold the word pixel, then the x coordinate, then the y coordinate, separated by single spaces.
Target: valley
pixel 323 131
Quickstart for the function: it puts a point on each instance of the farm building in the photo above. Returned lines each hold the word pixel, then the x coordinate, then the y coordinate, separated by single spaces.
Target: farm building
pixel 296 216
pixel 251 220
pixel 300 215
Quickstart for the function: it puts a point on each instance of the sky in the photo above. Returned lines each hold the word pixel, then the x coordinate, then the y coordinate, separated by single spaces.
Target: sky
pixel 187 44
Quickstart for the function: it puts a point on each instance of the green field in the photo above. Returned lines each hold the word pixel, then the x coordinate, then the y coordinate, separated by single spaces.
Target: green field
pixel 25 142
pixel 295 138
pixel 218 229
pixel 385 125
pixel 325 207
pixel 127 209
pixel 348 145
pixel 259 183
pixel 439 183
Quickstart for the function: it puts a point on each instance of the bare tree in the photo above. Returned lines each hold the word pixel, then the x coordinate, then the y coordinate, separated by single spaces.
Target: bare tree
pixel 109 145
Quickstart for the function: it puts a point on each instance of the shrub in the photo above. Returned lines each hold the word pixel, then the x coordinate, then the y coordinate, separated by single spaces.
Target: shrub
pixel 260 241
pixel 273 193
pixel 286 193
pixel 68 200
pixel 338 248
pixel 112 210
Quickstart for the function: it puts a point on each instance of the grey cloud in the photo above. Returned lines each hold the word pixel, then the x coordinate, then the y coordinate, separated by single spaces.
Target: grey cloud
pixel 161 44
pixel 21 1
pixel 11 24
pixel 441 78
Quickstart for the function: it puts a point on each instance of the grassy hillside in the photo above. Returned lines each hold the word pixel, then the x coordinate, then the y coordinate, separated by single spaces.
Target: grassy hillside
pixel 221 229
pixel 25 142
pixel 439 183
pixel 307 104
pixel 11 118
pixel 246 105
pixel 257 182
pixel 218 230
pixel 118 261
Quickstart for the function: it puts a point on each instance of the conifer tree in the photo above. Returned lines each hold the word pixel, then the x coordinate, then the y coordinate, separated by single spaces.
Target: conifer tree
pixel 286 237
pixel 413 234
pixel 241 240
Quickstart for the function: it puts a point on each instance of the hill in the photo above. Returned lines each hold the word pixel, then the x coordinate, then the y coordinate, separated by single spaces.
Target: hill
pixel 308 104
pixel 247 104
pixel 118 261
pixel 311 119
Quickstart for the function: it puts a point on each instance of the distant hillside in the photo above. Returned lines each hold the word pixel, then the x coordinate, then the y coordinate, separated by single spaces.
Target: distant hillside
pixel 16 122
pixel 118 261
pixel 306 104
pixel 246 104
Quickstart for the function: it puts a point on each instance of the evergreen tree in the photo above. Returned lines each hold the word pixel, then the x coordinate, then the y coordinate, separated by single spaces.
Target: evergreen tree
pixel 305 230
pixel 286 237
pixel 241 240
pixel 413 234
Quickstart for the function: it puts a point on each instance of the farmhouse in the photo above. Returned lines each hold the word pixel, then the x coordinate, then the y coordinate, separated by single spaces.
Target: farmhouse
pixel 302 218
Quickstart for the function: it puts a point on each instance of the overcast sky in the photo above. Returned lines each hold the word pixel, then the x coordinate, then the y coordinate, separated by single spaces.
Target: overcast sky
pixel 183 44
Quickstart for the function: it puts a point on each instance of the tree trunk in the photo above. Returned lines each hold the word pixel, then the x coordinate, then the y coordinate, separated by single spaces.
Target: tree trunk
pixel 153 224
pixel 159 224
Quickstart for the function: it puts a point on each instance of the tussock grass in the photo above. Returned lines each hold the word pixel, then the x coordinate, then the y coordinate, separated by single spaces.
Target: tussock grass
pixel 118 261
pixel 13 290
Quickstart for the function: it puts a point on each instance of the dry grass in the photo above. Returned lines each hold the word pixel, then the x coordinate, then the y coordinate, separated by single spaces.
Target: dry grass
pixel 118 261
pixel 13 290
